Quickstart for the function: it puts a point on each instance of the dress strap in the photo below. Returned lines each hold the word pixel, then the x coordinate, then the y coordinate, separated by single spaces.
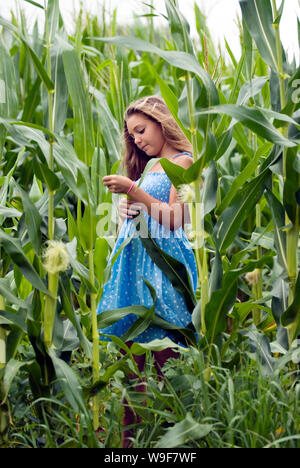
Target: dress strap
pixel 179 154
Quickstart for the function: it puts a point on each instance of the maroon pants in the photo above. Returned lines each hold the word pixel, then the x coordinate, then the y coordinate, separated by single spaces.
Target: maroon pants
pixel 130 417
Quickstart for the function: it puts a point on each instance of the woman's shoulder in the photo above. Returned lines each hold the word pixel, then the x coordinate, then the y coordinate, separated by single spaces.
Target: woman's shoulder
pixel 185 160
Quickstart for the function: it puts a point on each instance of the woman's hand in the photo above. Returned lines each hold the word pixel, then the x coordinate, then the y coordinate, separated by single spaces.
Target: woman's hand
pixel 128 209
pixel 117 183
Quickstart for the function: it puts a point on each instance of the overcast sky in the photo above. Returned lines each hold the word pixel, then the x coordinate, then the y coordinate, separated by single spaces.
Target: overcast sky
pixel 221 16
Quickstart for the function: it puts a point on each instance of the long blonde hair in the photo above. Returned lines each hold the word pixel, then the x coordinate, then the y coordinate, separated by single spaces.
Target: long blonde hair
pixel 154 108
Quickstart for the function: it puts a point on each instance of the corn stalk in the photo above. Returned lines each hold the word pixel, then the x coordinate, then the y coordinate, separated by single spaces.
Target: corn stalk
pixel 95 337
pixel 182 41
pixel 196 214
pixel 50 301
pixel 2 337
pixel 292 230
pixel 3 407
pixel 3 412
pixel 257 286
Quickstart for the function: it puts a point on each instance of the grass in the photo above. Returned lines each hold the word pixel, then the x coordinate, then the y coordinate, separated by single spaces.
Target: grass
pixel 244 408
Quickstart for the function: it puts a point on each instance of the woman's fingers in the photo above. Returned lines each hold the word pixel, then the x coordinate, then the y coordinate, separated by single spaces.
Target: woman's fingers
pixel 127 208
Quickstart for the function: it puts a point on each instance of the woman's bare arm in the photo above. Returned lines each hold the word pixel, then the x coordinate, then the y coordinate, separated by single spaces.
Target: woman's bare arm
pixel 170 215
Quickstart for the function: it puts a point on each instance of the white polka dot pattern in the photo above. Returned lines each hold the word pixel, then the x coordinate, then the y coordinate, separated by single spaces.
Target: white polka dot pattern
pixel 126 285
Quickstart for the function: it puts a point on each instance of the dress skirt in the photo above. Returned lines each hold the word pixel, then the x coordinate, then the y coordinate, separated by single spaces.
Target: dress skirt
pixel 126 285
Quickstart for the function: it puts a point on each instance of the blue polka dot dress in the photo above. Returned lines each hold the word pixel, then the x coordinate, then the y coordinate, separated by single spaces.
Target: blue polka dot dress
pixel 126 285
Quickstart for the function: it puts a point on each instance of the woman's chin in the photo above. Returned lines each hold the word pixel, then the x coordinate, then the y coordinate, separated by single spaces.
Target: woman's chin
pixel 150 153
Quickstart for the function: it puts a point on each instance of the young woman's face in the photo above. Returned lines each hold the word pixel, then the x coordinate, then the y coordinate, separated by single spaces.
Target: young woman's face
pixel 146 134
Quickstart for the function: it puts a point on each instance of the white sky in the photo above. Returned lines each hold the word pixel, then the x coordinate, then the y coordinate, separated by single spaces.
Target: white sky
pixel 221 16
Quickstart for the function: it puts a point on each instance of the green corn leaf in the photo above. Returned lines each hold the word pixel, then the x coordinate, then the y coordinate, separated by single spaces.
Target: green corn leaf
pixel 87 228
pixel 52 17
pixel 66 297
pixel 60 97
pixel 139 326
pixel 8 94
pixel 32 101
pixel 24 133
pixel 5 291
pixel 40 69
pixel 292 315
pixel 146 316
pixel 248 44
pixel 8 108
pixel 252 119
pixel 261 349
pixel 83 122
pixel 291 187
pixel 101 252
pixel 44 174
pixel 35 59
pixel 239 137
pixel 282 119
pixel 215 280
pixel 18 319
pixel 223 125
pixel 223 143
pixel 210 188
pixel 231 54
pixel 174 171
pixel 13 342
pixel 11 370
pixel 258 17
pixel 73 169
pixel 72 227
pixel 250 89
pixel 278 216
pixel 9 212
pixel 143 322
pixel 223 299
pixel 181 60
pixel 109 317
pixel 79 268
pixel 186 430
pixel 210 150
pixel 35 4
pixel 13 248
pixel 242 204
pixel 28 130
pixel 242 178
pixel 108 125
pixel 180 28
pixel 172 268
pixel 221 302
pixel 65 337
pixel 33 221
pixel 121 364
pixel 69 383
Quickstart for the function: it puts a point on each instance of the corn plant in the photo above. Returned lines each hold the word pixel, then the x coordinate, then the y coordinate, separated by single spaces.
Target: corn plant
pixel 45 304
pixel 60 132
pixel 249 129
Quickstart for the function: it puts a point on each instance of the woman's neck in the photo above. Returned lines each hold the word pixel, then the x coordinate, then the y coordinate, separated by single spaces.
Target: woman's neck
pixel 167 152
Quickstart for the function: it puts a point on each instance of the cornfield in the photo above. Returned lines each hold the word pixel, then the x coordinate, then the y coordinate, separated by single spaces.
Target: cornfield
pixel 62 101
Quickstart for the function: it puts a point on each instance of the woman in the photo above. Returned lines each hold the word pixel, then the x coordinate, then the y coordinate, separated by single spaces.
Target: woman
pixel 150 131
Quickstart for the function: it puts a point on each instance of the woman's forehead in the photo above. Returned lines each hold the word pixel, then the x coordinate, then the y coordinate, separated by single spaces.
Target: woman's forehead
pixel 134 120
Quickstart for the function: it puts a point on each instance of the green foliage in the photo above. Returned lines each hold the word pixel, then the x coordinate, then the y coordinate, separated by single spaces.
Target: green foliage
pixel 60 133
